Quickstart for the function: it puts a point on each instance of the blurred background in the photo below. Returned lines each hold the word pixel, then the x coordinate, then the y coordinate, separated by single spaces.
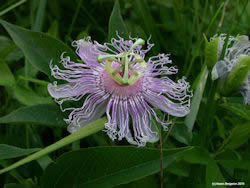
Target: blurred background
pixel 175 27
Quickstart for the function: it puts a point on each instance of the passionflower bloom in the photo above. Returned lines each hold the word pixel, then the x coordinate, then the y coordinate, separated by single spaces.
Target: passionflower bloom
pixel 235 66
pixel 114 78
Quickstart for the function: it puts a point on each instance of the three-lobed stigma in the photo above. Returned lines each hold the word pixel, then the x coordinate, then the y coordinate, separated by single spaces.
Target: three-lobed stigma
pixel 119 66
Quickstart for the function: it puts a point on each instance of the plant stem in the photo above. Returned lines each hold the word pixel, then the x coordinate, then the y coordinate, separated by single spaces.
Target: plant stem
pixel 12 7
pixel 83 132
pixel 168 133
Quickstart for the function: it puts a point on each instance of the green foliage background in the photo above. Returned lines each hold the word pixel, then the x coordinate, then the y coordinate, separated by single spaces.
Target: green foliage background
pixel 210 145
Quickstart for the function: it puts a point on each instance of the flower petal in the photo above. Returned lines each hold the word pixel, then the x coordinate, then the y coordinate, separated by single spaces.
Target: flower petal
pixel 166 105
pixel 87 51
pixel 64 90
pixel 80 121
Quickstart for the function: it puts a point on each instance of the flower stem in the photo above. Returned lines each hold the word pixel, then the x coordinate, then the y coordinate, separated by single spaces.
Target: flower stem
pixel 83 132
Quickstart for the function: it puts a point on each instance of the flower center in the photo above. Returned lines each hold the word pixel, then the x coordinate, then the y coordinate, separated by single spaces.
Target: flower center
pixel 124 74
pixel 115 88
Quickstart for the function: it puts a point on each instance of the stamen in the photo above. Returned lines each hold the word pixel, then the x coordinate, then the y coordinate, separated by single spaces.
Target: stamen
pixel 137 42
pixel 126 79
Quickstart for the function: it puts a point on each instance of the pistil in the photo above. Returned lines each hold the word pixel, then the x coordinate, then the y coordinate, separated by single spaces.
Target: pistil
pixel 123 60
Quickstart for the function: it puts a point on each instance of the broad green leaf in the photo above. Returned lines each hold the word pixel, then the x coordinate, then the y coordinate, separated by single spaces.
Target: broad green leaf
pixel 180 133
pixel 238 109
pixel 147 182
pixel 213 174
pixel 42 114
pixel 228 154
pixel 116 23
pixel 196 100
pixel 179 168
pixel 233 159
pixel 9 152
pixel 53 29
pixel 197 156
pixel 240 134
pixel 29 69
pixel 29 97
pixel 107 166
pixel 8 50
pixel 38 47
pixel 6 76
pixel 241 164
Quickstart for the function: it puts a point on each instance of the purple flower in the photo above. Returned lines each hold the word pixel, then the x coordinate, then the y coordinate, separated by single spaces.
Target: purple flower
pixel 114 78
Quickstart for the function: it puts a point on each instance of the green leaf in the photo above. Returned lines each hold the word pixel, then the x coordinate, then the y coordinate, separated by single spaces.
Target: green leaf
pixel 116 23
pixel 213 174
pixel 179 168
pixel 197 156
pixel 196 100
pixel 42 114
pixel 180 133
pixel 9 152
pixel 233 159
pixel 147 182
pixel 106 166
pixel 238 109
pixel 53 29
pixel 38 47
pixel 29 97
pixel 6 76
pixel 240 134
pixel 8 50
pixel 241 164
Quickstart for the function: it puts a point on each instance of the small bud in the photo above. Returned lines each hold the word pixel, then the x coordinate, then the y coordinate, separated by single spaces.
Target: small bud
pixel 237 76
pixel 211 52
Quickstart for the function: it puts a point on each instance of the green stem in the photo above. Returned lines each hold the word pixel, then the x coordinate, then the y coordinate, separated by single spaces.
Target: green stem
pixel 83 132
pixel 40 82
pixel 12 7
pixel 14 173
